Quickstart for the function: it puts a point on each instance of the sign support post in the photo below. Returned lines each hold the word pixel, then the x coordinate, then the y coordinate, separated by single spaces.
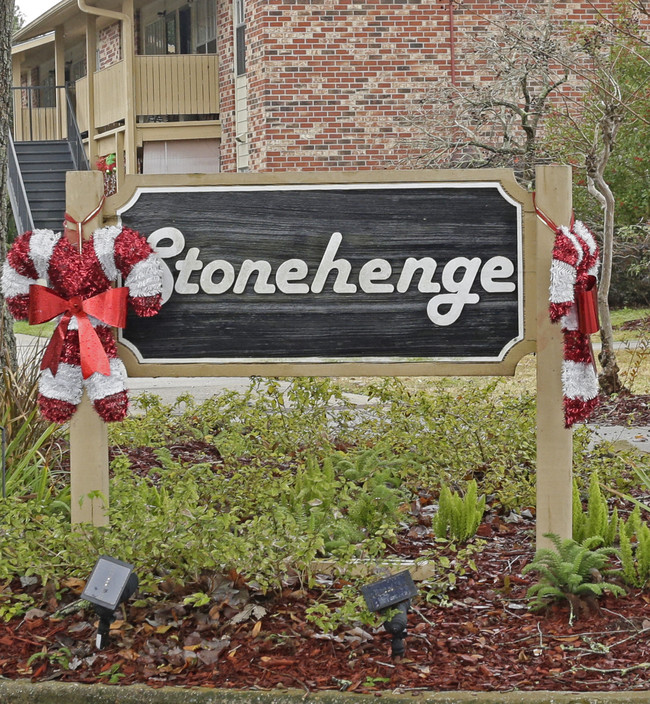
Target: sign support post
pixel 88 432
pixel 507 297
pixel 554 441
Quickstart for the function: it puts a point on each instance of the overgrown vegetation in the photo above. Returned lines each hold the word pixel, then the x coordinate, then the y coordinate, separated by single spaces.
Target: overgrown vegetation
pixel 282 476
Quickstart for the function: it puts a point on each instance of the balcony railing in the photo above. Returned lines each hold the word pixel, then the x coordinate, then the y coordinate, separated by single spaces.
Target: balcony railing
pixel 39 113
pixel 186 84
pixel 178 85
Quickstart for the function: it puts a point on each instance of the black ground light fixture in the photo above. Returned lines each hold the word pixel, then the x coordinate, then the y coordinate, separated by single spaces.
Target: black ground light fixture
pixel 393 592
pixel 110 583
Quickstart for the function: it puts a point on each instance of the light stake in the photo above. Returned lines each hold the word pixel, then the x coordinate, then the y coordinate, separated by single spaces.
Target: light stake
pixel 392 592
pixel 110 583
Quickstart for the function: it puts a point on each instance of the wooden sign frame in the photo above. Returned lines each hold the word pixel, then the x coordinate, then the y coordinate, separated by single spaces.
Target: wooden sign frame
pixel 88 437
pixel 371 365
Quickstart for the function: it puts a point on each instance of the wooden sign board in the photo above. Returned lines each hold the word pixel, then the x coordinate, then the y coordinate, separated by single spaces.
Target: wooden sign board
pixel 401 275
pixel 375 273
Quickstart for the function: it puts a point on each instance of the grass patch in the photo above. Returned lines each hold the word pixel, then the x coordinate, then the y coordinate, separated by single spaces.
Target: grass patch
pixel 22 327
pixel 624 315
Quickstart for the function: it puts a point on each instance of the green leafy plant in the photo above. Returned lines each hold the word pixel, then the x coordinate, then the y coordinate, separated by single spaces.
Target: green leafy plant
pixel 459 516
pixel 12 605
pixel 596 521
pixel 34 452
pixel 635 550
pixel 59 658
pixel 571 572
pixel 112 675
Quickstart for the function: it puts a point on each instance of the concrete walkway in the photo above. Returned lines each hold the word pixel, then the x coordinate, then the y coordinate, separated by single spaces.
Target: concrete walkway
pixel 26 692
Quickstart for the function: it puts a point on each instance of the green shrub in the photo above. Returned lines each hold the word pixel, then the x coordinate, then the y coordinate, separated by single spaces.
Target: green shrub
pixel 596 521
pixel 635 551
pixel 571 571
pixel 459 517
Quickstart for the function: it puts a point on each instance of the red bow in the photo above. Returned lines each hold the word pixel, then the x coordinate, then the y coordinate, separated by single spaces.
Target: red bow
pixel 109 307
pixel 587 302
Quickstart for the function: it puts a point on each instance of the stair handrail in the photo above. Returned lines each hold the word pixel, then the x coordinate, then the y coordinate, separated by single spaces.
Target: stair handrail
pixel 74 136
pixel 17 194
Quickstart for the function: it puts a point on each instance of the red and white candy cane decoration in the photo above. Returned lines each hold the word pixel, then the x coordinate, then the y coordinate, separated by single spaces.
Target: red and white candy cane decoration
pixel 572 297
pixel 79 289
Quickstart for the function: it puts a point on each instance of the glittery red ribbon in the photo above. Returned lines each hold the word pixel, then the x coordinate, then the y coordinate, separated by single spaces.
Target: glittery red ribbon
pixel 109 307
pixel 547 221
pixel 69 221
pixel 587 302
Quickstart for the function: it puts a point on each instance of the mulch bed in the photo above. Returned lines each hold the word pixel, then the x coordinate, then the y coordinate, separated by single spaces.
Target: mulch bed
pixel 483 638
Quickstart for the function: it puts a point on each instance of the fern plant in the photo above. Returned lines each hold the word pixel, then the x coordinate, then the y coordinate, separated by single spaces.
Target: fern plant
pixel 596 521
pixel 345 498
pixel 459 517
pixel 571 571
pixel 635 550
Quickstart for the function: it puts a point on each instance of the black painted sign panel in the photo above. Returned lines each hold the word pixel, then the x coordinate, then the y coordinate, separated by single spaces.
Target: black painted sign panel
pixel 353 272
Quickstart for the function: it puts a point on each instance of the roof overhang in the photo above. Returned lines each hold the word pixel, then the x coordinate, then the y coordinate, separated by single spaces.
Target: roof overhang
pixel 45 23
pixel 33 43
pixel 67 14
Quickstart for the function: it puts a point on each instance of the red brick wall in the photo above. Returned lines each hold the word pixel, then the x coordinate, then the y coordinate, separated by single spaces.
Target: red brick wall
pixel 327 79
pixel 226 83
pixel 109 45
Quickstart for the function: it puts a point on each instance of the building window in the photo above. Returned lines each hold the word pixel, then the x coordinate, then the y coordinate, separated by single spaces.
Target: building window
pixel 154 37
pixel 206 26
pixel 190 29
pixel 240 38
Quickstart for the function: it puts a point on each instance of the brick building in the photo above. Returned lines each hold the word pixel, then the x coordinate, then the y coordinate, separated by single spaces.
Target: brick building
pixel 259 85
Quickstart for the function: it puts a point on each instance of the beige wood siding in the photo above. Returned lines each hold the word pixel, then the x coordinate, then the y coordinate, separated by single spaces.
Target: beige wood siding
pixel 110 99
pixel 45 124
pixel 177 84
pixel 81 93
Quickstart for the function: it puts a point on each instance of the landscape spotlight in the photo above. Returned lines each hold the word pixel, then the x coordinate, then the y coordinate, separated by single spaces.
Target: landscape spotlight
pixel 392 592
pixel 110 583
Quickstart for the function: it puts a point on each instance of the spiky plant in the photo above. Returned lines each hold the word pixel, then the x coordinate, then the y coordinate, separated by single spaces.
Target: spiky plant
pixel 635 553
pixel 596 521
pixel 459 516
pixel 571 571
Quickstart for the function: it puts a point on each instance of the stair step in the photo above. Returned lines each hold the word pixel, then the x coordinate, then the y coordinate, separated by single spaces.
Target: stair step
pixel 43 166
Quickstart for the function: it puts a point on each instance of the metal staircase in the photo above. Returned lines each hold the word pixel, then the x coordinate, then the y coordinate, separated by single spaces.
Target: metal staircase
pixel 43 166
pixel 46 145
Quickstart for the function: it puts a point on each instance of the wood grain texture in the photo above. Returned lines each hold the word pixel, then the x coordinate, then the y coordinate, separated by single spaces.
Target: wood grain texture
pixel 277 224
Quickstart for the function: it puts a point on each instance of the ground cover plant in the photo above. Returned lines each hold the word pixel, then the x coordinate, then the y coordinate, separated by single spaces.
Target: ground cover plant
pixel 247 516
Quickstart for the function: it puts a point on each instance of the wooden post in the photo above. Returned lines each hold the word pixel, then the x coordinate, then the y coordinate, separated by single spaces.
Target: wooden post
pixel 128 49
pixel 554 441
pixel 88 433
pixel 59 80
pixel 91 69
pixel 17 98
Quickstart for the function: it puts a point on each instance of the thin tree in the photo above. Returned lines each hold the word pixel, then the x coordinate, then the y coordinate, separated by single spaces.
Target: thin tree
pixel 587 131
pixel 521 60
pixel 539 68
pixel 7 20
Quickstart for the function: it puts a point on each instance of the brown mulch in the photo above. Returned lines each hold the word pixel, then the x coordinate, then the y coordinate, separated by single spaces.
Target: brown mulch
pixel 482 638
pixel 624 409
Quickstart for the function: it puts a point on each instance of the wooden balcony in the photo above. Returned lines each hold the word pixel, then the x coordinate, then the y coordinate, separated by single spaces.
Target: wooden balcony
pixel 39 114
pixel 164 85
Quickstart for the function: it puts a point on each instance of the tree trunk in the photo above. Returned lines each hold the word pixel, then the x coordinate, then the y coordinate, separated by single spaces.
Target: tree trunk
pixel 7 339
pixel 609 380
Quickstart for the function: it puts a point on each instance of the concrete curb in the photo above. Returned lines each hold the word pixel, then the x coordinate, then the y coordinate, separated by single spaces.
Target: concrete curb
pixel 26 692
